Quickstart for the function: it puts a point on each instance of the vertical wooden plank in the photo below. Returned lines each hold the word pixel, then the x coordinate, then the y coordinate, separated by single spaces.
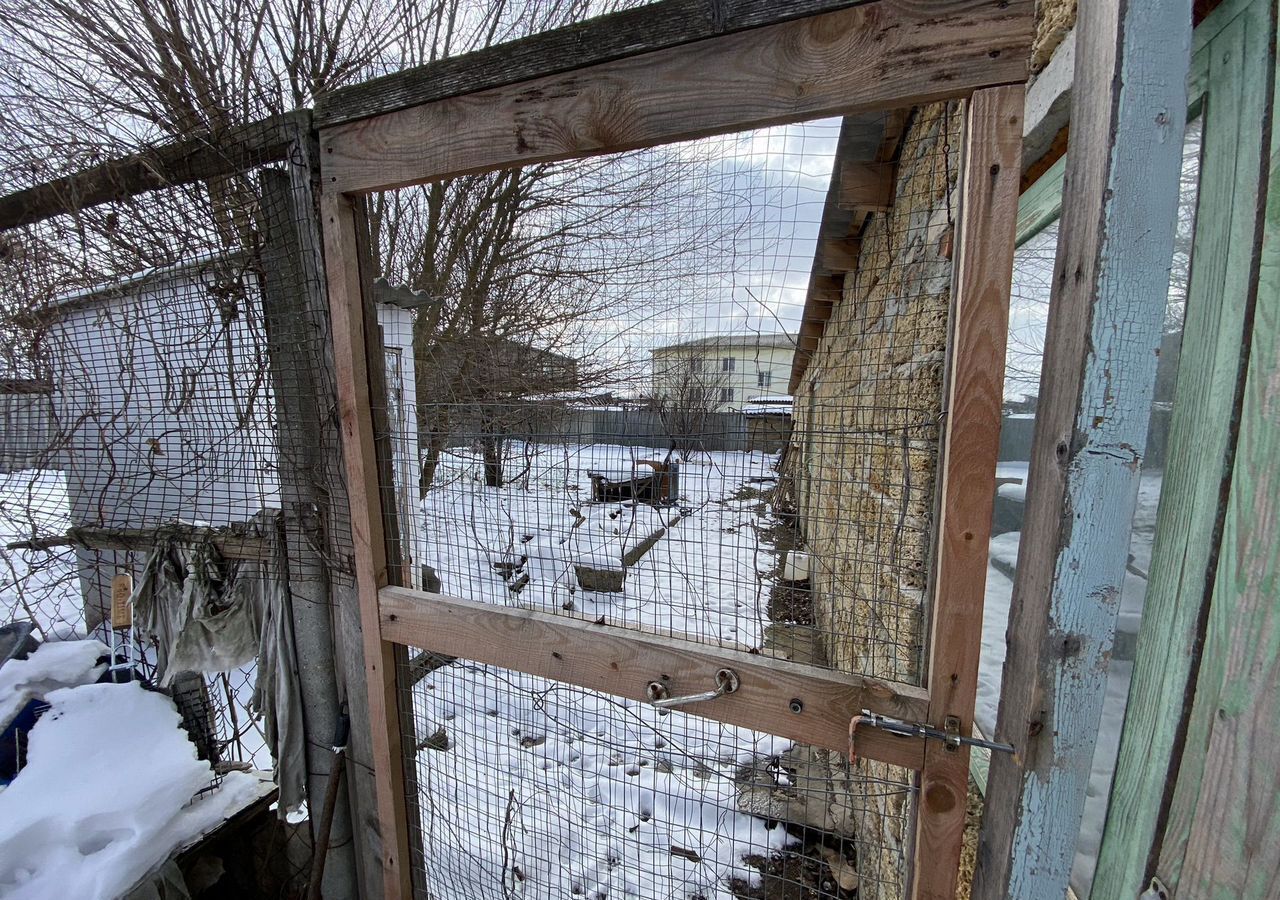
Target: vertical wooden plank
pixel 342 264
pixel 1229 794
pixel 295 317
pixel 1190 519
pixel 1106 316
pixel 980 316
pixel 394 550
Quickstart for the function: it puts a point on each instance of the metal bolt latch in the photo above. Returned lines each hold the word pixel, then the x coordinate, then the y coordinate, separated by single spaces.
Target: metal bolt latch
pixel 950 735
pixel 726 683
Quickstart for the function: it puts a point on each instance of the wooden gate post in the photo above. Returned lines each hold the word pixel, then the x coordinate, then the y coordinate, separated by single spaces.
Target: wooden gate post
pixel 990 173
pixel 1106 317
pixel 343 259
pixel 296 319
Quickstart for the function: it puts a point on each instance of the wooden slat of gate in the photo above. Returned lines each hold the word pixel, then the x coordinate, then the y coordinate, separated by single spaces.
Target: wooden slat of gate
pixel 980 304
pixel 622 661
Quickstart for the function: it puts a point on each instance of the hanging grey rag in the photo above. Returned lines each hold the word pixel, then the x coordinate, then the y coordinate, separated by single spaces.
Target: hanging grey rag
pixel 209 614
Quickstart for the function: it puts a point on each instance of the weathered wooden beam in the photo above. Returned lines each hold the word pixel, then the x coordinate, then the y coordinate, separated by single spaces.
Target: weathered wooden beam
pixel 295 315
pixel 839 255
pixel 603 39
pixel 143 540
pixel 343 255
pixel 826 290
pixel 622 661
pixel 1042 202
pixel 1165 736
pixel 866 137
pixel 867 186
pixel 1106 317
pixel 394 552
pixel 981 278
pixel 891 53
pixel 196 159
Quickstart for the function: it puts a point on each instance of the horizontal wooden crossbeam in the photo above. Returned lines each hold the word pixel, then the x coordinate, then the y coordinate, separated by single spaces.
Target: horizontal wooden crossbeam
pixel 183 162
pixel 144 540
pixel 622 661
pixel 881 55
pixel 598 40
pixel 838 255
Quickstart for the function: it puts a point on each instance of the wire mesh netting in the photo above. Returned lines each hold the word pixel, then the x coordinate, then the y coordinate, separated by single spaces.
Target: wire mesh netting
pixel 144 456
pixel 537 788
pixel 606 401
pixel 692 390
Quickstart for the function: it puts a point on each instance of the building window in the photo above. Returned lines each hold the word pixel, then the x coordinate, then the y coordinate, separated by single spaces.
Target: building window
pixel 726 364
pixel 726 395
pixel 763 379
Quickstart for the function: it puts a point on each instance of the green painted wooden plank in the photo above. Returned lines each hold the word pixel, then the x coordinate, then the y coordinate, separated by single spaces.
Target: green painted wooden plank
pixel 1223 838
pixel 1041 203
pixel 1238 62
pixel 1205 34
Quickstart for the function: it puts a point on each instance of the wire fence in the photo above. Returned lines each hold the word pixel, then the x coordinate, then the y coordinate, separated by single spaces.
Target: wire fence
pixel 143 454
pixel 604 401
pixel 627 426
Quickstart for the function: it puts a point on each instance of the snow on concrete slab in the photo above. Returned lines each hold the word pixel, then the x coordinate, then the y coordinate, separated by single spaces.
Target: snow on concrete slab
pixel 702 580
pixel 106 795
pixel 1014 478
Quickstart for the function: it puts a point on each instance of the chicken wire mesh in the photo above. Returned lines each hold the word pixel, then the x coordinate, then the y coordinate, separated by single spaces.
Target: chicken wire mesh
pixel 607 400
pixel 603 399
pixel 601 403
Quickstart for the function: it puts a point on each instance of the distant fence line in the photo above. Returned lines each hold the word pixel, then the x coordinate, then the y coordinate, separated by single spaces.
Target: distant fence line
pixel 725 431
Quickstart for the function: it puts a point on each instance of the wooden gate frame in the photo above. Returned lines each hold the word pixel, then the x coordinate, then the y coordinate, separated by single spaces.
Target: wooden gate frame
pixel 654 75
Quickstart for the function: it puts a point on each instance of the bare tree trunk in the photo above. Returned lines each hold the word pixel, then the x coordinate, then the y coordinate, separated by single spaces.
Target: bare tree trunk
pixel 435 447
pixel 493 445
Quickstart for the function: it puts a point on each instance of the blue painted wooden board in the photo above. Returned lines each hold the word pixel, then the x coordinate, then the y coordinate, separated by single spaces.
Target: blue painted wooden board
pixel 1105 322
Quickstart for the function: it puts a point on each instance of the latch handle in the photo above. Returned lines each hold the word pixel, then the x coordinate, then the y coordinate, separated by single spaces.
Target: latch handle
pixel 727 682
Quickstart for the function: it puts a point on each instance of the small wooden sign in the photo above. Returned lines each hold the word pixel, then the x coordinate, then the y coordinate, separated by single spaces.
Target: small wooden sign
pixel 121 591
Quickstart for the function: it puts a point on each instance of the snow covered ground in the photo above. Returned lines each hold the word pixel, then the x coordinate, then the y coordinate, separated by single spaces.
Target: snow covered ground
pixel 107 792
pixel 542 790
pixel 40 585
pixel 701 580
pixel 1004 555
